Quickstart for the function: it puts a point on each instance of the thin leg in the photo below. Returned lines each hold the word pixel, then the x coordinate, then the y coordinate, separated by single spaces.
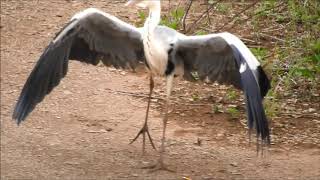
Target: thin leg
pixel 145 129
pixel 160 164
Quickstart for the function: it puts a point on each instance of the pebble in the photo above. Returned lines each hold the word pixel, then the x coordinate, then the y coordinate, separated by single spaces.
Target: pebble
pixel 311 110
pixel 67 92
pixel 234 164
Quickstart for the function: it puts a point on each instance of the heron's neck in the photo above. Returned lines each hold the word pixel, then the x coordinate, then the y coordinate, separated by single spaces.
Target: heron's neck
pixel 153 19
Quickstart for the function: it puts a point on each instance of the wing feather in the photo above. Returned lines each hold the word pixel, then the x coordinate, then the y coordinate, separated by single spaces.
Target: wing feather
pixel 211 58
pixel 90 38
pixel 216 59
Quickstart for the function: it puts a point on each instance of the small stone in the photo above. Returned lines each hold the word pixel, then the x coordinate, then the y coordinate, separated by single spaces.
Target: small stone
pixel 67 92
pixel 311 110
pixel 234 164
pixel 220 135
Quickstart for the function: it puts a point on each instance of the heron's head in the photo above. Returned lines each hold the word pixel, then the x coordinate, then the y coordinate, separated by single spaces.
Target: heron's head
pixel 144 3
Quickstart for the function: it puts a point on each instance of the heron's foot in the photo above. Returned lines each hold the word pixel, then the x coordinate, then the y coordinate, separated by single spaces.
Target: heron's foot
pixel 144 130
pixel 159 165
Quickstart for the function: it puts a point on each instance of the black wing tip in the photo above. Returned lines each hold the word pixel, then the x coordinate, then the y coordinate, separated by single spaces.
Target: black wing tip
pixel 17 119
pixel 257 120
pixel 18 115
pixel 264 82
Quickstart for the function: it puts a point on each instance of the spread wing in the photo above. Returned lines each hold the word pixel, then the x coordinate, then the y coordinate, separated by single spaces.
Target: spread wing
pixel 224 58
pixel 90 37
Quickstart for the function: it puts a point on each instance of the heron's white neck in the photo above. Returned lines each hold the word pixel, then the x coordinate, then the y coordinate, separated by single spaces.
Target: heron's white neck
pixel 155 54
pixel 153 19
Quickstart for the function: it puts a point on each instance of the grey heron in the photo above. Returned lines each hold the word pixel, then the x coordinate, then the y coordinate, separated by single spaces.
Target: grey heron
pixel 93 36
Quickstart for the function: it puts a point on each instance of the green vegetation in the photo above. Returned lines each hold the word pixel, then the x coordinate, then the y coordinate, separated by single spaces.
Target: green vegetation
pixel 294 55
pixel 217 108
pixel 174 18
pixel 171 20
pixel 231 95
pixel 195 97
pixel 223 8
pixel 234 113
pixel 142 16
pixel 260 53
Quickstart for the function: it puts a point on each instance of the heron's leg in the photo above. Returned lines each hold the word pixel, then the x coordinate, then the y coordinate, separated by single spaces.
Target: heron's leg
pixel 160 164
pixel 145 129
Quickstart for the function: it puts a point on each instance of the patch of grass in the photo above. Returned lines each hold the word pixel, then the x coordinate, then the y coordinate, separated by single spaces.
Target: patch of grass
pixel 308 11
pixel 234 112
pixel 201 32
pixel 217 108
pixel 195 75
pixel 260 53
pixel 272 107
pixel 142 18
pixel 265 8
pixel 231 95
pixel 306 67
pixel 222 7
pixel 195 97
pixel 174 19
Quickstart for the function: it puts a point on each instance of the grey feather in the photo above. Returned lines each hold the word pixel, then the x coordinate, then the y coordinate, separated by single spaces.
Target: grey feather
pixel 89 39
pixel 211 58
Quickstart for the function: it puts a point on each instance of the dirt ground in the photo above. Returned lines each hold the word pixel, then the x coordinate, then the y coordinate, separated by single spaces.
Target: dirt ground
pixel 83 128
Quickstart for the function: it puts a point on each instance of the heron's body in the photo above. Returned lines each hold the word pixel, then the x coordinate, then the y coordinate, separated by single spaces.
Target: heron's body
pixel 93 36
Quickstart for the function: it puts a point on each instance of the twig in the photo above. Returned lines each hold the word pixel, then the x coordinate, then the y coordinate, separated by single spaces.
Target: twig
pixel 278 85
pixel 202 15
pixel 295 115
pixel 272 37
pixel 236 15
pixel 141 95
pixel 248 40
pixel 186 14
pixel 208 16
pixel 130 93
pixel 282 3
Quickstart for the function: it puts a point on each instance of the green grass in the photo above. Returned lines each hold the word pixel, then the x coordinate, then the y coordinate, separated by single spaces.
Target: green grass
pixel 217 108
pixel 142 18
pixel 234 112
pixel 260 53
pixel 195 97
pixel 201 32
pixel 222 7
pixel 174 19
pixel 231 95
